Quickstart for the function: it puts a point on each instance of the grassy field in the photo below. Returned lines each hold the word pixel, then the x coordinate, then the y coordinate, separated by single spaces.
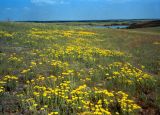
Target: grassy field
pixel 49 69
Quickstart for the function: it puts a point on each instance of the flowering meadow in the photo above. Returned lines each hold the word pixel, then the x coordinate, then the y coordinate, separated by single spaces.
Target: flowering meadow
pixel 49 69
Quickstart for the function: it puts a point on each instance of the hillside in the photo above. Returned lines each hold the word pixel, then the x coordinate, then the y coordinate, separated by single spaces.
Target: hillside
pixel 155 23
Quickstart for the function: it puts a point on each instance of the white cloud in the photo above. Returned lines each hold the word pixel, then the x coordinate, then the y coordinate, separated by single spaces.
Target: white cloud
pixel 8 8
pixel 42 2
pixel 48 1
pixel 26 8
pixel 120 0
pixel 112 0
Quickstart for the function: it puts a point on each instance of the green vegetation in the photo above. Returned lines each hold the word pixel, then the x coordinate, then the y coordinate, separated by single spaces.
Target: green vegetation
pixel 55 69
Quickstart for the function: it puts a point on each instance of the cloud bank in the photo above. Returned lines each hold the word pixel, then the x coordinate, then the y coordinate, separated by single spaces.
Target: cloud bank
pixel 67 1
pixel 48 1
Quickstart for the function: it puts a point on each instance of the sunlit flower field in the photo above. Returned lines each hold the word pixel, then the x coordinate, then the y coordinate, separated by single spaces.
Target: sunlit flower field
pixel 49 69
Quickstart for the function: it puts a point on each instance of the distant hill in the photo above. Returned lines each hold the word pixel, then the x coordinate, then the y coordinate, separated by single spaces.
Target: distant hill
pixel 154 23
pixel 111 20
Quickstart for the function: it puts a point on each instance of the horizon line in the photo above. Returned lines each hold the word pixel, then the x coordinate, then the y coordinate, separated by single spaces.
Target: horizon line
pixel 79 20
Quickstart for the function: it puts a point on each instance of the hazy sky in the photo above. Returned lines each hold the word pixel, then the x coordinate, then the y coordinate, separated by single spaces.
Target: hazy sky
pixel 78 9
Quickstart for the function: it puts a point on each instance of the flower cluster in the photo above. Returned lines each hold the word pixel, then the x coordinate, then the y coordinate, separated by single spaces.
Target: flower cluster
pixel 55 71
pixel 4 34
pixel 8 83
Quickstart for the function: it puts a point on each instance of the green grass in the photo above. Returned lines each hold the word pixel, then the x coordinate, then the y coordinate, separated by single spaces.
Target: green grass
pixel 64 69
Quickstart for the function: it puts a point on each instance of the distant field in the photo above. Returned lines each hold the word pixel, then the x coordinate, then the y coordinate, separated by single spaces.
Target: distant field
pixel 150 30
pixel 51 69
pixel 97 22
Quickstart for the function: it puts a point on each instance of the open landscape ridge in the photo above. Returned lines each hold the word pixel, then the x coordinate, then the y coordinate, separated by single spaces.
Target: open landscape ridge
pixel 61 69
pixel 127 23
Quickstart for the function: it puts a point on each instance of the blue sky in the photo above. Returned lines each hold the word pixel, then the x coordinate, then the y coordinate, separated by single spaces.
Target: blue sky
pixel 78 9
